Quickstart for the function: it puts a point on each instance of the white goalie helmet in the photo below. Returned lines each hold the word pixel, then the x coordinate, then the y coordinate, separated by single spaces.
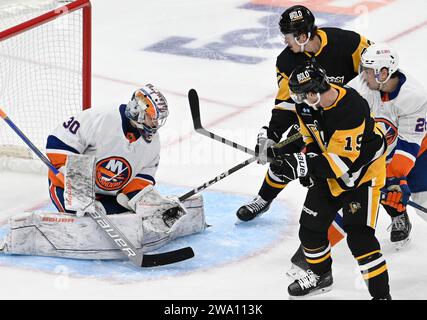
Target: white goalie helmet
pixel 377 57
pixel 147 110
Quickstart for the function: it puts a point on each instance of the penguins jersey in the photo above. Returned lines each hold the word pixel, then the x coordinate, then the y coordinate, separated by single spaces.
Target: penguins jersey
pixel 125 162
pixel 402 114
pixel 350 144
pixel 339 55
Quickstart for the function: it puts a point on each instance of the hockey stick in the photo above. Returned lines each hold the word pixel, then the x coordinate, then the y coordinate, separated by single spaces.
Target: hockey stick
pixel 114 234
pixel 234 169
pixel 193 100
pixel 417 206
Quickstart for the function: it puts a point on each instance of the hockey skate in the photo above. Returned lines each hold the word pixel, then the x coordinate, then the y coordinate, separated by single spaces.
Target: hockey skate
pixel 254 208
pixel 400 231
pixel 299 265
pixel 387 297
pixel 311 284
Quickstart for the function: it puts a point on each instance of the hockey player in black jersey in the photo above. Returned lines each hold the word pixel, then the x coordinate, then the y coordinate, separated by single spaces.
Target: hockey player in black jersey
pixel 337 50
pixel 345 159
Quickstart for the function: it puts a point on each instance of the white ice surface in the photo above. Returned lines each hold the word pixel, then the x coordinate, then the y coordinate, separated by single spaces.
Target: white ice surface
pixel 235 102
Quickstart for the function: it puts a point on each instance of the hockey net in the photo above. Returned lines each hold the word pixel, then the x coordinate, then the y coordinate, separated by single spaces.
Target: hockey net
pixel 45 72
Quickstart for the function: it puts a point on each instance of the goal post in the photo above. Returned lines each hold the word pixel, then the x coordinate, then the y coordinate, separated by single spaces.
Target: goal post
pixel 45 67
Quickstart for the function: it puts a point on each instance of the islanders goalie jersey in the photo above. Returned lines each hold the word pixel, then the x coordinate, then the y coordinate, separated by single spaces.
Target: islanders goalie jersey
pixel 124 161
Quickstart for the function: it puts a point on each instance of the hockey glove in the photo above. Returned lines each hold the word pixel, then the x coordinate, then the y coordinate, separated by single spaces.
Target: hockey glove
pixel 396 193
pixel 263 144
pixel 306 181
pixel 293 166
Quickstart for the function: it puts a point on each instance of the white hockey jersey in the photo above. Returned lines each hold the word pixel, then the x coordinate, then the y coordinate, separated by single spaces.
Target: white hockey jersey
pixel 121 165
pixel 403 116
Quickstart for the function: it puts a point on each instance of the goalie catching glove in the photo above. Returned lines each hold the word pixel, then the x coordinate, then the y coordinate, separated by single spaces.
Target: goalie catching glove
pixel 163 212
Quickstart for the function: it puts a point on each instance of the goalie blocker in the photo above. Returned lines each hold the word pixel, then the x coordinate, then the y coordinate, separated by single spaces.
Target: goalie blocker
pixel 69 236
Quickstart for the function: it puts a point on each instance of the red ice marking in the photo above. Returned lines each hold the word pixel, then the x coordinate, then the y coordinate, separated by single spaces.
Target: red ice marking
pixel 179 94
pixel 39 205
pixel 327 6
pixel 406 32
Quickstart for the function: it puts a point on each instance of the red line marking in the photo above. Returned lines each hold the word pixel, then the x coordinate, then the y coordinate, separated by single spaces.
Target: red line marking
pixel 138 85
pixel 406 32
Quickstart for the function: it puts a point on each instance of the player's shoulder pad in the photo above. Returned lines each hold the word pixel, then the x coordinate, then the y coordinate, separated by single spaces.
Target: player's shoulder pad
pixel 343 39
pixel 412 92
pixel 352 108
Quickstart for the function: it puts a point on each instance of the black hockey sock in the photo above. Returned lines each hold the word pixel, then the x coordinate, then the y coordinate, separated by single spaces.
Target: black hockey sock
pixel 374 271
pixel 366 249
pixel 317 250
pixel 270 189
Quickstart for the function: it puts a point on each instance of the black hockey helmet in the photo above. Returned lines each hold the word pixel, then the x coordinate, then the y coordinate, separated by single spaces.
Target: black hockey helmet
pixel 296 20
pixel 310 77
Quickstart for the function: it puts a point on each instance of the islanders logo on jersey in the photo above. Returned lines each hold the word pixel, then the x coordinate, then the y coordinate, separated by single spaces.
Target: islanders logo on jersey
pixel 389 128
pixel 112 173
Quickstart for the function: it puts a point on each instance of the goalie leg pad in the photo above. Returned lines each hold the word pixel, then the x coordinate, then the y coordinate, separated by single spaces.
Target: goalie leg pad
pixel 192 222
pixel 68 236
pixel 65 235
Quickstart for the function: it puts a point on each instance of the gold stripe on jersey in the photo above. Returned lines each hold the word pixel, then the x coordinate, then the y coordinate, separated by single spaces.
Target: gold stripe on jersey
pixel 284 105
pixel 373 206
pixel 305 132
pixel 341 93
pixel 357 54
pixel 323 42
pixel 337 165
pixel 282 80
pixel 375 172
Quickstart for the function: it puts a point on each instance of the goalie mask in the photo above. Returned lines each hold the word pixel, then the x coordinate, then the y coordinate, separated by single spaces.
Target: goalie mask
pixel 147 111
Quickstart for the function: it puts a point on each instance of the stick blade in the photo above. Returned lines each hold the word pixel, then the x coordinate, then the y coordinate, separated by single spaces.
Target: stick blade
pixel 160 259
pixel 193 99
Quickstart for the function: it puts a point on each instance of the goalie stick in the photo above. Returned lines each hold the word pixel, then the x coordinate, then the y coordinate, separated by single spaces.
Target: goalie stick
pixel 234 169
pixel 114 234
pixel 193 100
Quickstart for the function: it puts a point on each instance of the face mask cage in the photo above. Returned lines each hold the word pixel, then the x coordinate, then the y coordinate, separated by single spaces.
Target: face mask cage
pixel 303 98
pixel 295 37
pixel 151 111
pixel 298 97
